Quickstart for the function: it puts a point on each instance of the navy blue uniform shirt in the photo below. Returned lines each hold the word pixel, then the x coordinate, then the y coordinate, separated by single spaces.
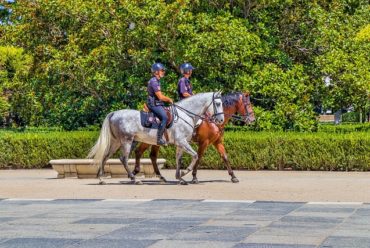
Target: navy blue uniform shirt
pixel 153 86
pixel 184 86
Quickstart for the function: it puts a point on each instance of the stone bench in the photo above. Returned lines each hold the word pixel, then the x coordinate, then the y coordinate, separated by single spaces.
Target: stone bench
pixel 326 118
pixel 84 168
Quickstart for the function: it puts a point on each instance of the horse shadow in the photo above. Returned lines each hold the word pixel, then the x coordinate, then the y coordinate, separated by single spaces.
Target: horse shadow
pixel 157 182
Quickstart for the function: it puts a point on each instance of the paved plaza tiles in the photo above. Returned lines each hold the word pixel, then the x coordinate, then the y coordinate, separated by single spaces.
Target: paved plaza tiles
pixel 182 223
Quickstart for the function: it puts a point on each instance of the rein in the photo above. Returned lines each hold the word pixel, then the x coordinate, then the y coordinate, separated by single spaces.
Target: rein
pixel 187 112
pixel 193 115
pixel 237 117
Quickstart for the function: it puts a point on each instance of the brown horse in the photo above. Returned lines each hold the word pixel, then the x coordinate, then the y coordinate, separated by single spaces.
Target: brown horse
pixel 208 133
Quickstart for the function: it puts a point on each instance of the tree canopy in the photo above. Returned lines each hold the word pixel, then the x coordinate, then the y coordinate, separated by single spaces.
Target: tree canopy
pixel 69 63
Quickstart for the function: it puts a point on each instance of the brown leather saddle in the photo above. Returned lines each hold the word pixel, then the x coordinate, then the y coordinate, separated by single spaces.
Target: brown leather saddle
pixel 149 120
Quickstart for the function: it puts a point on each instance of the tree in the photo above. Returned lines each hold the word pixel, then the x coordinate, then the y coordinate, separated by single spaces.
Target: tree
pixel 15 95
pixel 90 58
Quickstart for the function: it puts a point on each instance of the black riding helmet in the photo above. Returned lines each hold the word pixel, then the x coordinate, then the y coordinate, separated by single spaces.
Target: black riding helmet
pixel 186 68
pixel 157 67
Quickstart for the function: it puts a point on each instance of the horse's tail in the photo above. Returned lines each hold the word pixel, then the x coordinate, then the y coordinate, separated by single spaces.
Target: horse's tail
pixel 103 144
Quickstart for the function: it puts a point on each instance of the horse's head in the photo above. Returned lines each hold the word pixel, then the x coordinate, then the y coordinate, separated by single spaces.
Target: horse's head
pixel 216 109
pixel 244 107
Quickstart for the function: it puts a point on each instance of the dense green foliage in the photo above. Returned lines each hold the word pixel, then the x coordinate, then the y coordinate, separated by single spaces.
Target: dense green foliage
pixel 246 150
pixel 68 63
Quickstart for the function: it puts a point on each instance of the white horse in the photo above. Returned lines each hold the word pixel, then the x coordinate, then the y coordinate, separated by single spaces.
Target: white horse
pixel 121 128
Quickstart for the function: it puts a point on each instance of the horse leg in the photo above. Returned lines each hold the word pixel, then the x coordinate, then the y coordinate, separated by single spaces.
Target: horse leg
pixel 153 156
pixel 113 148
pixel 138 153
pixel 201 149
pixel 221 150
pixel 179 152
pixel 187 147
pixel 125 150
pixel 101 170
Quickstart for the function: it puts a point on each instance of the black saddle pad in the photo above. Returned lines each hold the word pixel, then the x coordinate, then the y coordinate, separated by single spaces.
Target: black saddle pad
pixel 149 120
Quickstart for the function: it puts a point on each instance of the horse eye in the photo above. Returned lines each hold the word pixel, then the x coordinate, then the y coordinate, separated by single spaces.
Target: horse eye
pixel 218 104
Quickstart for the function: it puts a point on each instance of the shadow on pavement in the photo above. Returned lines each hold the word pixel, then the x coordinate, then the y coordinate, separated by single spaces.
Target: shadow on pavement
pixel 156 182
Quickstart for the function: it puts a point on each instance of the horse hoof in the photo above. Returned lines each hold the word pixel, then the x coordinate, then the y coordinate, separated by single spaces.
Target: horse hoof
pixel 177 176
pixel 183 182
pixel 102 183
pixel 162 180
pixel 138 182
pixel 194 181
pixel 234 180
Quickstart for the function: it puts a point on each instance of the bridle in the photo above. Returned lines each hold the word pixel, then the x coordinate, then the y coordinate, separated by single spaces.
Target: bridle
pixel 213 103
pixel 246 103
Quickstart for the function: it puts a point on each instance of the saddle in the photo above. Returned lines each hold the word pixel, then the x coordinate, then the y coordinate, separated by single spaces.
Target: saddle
pixel 149 120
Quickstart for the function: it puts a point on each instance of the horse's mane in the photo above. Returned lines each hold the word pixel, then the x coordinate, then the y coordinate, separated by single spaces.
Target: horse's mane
pixel 230 99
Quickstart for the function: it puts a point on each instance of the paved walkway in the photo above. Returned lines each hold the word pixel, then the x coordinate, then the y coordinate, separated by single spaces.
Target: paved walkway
pixel 181 223
pixel 266 209
pixel 254 185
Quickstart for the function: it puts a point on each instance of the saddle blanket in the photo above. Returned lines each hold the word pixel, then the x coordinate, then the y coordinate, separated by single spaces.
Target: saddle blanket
pixel 149 120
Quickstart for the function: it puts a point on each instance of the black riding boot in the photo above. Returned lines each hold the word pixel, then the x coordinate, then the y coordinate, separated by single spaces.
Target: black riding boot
pixel 160 140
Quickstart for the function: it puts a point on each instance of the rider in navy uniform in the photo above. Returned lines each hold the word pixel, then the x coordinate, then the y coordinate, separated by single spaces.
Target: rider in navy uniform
pixel 184 87
pixel 156 100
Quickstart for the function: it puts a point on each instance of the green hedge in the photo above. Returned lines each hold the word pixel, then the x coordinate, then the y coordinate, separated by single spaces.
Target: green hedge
pixel 322 127
pixel 246 150
pixel 34 150
pixel 344 128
